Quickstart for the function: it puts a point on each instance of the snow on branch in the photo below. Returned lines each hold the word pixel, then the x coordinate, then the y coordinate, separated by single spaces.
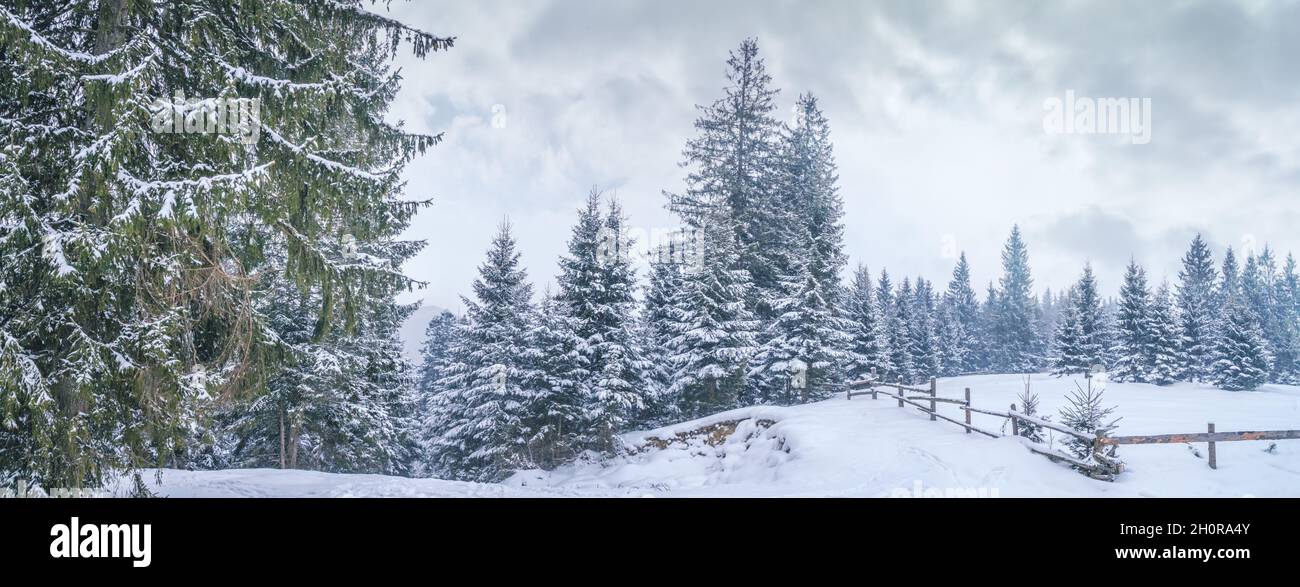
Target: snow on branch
pixel 421 42
pixel 324 162
pixel 39 40
pixel 117 78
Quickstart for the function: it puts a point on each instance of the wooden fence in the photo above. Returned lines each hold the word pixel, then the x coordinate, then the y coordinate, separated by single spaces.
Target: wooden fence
pixel 1099 466
pixel 1209 437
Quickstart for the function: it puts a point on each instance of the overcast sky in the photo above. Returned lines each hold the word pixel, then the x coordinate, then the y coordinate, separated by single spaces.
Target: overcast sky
pixel 936 112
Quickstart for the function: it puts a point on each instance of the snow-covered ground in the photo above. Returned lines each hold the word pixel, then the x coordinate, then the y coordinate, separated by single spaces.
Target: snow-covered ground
pixel 872 449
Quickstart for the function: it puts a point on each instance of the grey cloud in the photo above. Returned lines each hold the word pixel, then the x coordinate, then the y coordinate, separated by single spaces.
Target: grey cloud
pixel 935 107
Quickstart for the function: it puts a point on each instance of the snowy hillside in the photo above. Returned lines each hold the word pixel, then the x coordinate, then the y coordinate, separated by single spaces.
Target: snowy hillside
pixel 870 448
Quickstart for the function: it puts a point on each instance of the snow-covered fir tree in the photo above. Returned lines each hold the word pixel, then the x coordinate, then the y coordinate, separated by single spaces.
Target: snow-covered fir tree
pixel 714 331
pixel 924 331
pixel 1286 346
pixel 899 360
pixel 1017 346
pixel 597 283
pixel 1066 340
pixel 986 332
pixel 869 340
pixel 1028 401
pixel 806 330
pixel 1197 311
pixel 438 337
pixel 954 343
pixel 342 399
pixel 483 418
pixel 809 180
pixel 128 302
pixel 1083 341
pixel 1164 348
pixel 1257 285
pixel 556 423
pixel 900 330
pixel 1049 311
pixel 735 175
pixel 1085 413
pixel 1265 294
pixel 1134 330
pixel 802 356
pixel 964 309
pixel 1229 286
pixel 665 279
pixel 1241 355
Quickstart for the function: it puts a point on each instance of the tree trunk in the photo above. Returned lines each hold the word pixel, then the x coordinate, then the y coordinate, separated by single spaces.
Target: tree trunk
pixel 293 446
pixel 281 439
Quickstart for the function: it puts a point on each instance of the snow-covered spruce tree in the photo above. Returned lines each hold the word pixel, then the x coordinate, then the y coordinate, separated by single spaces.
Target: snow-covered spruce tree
pixel 1241 355
pixel 965 310
pixel 1028 399
pixel 482 417
pixel 1197 310
pixel 924 331
pixel 340 399
pixel 1085 413
pixel 900 329
pixel 1083 340
pixel 1049 311
pixel 435 352
pixel 808 180
pixel 1286 350
pixel 126 301
pixel 1017 347
pixel 986 333
pixel 735 176
pixel 557 427
pixel 438 337
pixel 597 283
pixel 954 343
pixel 1164 350
pixel 1257 277
pixel 714 332
pixel 869 342
pixel 1263 293
pixel 665 278
pixel 1229 286
pixel 889 322
pixel 1067 359
pixel 801 358
pixel 1133 344
pixel 812 234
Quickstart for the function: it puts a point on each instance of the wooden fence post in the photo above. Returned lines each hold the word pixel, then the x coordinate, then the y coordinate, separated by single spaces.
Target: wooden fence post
pixel 1015 424
pixel 900 395
pixel 934 392
pixel 967 411
pixel 874 391
pixel 1214 464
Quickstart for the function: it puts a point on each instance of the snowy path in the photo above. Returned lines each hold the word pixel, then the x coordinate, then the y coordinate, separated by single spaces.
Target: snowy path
pixel 873 449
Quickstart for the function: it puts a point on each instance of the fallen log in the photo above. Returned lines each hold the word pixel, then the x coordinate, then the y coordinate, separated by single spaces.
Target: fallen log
pixel 1056 454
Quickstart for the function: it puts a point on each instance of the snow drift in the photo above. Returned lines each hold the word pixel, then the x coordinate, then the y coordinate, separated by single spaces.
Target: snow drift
pixel 869 448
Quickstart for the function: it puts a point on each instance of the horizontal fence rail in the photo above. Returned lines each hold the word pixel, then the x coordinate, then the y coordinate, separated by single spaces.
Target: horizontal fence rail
pixel 1203 437
pixel 1209 437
